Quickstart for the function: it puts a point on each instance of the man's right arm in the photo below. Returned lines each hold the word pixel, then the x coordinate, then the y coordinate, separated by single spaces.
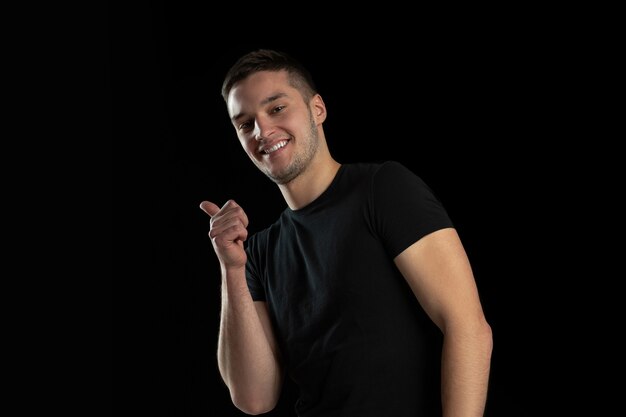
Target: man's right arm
pixel 247 354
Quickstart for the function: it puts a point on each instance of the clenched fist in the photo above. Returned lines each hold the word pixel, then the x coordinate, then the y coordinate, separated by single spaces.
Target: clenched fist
pixel 228 232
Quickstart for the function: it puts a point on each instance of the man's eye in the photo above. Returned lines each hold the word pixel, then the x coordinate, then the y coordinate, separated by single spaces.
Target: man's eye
pixel 277 109
pixel 244 126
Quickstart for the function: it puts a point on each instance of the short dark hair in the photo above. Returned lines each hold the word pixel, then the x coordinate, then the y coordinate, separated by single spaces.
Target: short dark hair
pixel 269 60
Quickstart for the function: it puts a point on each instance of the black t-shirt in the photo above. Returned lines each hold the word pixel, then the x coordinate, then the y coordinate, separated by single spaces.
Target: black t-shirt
pixel 351 333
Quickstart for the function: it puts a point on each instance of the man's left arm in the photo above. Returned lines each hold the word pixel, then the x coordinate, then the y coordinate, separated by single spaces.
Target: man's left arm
pixel 438 271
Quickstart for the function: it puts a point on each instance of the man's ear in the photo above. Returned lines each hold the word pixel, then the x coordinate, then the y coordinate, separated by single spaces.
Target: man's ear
pixel 318 108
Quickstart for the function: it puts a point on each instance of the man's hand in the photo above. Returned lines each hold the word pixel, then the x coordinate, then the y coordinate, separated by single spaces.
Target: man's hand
pixel 228 232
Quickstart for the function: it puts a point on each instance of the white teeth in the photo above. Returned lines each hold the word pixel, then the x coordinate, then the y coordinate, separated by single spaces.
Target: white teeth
pixel 276 147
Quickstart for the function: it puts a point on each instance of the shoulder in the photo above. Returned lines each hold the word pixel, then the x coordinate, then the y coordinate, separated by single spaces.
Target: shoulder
pixel 388 174
pixel 395 182
pixel 394 174
pixel 385 167
pixel 394 168
pixel 370 169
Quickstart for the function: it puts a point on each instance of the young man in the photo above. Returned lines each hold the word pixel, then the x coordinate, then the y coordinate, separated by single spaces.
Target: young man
pixel 343 291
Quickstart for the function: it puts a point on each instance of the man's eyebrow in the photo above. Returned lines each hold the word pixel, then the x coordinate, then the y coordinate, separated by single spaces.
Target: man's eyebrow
pixel 263 103
pixel 273 98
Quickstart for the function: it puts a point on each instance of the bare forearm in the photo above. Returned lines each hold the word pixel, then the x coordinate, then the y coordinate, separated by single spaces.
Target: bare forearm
pixel 246 355
pixel 465 371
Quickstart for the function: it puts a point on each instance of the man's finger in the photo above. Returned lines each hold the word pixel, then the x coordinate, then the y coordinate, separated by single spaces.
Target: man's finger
pixel 209 208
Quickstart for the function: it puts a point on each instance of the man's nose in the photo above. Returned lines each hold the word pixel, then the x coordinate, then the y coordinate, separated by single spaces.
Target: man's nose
pixel 263 129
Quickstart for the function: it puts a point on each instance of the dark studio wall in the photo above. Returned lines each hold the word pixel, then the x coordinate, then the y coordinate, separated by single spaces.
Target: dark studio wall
pixel 451 105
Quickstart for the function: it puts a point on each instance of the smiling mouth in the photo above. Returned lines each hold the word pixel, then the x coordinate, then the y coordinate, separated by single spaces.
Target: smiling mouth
pixel 274 148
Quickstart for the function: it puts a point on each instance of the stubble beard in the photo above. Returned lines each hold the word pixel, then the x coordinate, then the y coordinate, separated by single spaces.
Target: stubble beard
pixel 301 160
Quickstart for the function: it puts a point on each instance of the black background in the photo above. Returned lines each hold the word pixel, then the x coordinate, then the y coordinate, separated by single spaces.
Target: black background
pixel 473 108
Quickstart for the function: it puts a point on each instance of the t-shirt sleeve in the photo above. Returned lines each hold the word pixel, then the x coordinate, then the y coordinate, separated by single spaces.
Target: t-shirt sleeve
pixel 253 275
pixel 404 208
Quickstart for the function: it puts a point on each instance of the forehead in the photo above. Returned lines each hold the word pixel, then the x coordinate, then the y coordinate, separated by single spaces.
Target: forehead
pixel 252 91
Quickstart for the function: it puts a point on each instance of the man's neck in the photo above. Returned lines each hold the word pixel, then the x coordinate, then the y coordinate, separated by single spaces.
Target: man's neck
pixel 310 184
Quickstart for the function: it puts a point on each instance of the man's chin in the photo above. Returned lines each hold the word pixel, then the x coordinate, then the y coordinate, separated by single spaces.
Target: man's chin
pixel 281 178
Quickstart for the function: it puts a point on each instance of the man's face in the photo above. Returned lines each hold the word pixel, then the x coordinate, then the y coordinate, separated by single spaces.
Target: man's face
pixel 274 124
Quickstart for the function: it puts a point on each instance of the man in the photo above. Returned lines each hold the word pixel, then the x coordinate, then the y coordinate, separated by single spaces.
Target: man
pixel 343 292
